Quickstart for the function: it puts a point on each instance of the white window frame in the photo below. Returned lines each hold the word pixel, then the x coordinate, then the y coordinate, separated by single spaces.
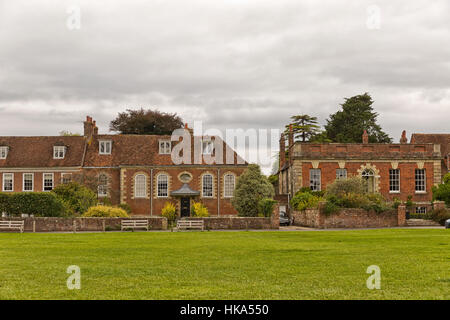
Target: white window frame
pixel 32 181
pixel 423 177
pixel 421 210
pixel 3 152
pixel 159 190
pixel 339 176
pixel 315 181
pixel 105 143
pixel 203 185
pixel 4 179
pixel 57 150
pixel 226 188
pixel 207 147
pixel 165 146
pixel 65 174
pixel 102 187
pixel 392 179
pixel 140 191
pixel 43 181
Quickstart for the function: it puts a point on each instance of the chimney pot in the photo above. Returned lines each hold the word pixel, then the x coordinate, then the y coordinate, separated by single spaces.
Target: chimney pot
pixel 404 139
pixel 365 137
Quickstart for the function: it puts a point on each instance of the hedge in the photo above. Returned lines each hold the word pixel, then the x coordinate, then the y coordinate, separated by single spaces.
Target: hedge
pixel 39 204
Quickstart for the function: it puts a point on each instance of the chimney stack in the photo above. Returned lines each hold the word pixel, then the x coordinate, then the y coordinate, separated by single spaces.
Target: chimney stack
pixel 404 139
pixel 90 127
pixel 365 137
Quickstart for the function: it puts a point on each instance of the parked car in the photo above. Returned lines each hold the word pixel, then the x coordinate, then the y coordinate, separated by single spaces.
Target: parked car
pixel 447 224
pixel 284 219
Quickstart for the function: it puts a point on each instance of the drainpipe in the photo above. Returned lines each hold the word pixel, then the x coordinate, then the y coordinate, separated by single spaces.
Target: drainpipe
pixel 151 192
pixel 218 192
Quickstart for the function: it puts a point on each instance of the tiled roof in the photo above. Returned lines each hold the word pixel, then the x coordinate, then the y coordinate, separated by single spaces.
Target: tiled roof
pixel 442 139
pixel 34 152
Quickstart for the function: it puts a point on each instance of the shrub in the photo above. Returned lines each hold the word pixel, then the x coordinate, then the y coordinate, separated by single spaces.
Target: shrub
pixel 251 187
pixel 39 204
pixel 305 200
pixel 77 197
pixel 440 216
pixel 367 202
pixel 442 191
pixel 265 207
pixel 105 212
pixel 4 202
pixel 354 185
pixel 126 207
pixel 319 194
pixel 396 202
pixel 199 210
pixel 170 212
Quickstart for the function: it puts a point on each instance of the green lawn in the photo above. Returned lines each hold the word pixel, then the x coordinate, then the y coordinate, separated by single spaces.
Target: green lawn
pixel 415 264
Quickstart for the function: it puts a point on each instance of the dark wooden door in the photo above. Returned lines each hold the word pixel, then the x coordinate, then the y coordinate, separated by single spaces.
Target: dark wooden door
pixel 185 207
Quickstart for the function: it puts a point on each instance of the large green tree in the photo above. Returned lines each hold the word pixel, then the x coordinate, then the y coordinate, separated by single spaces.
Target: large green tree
pixel 146 122
pixel 304 127
pixel 357 115
pixel 251 187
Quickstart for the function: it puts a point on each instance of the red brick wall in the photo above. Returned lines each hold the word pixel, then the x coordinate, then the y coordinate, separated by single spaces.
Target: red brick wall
pixel 141 206
pixel 407 177
pixel 346 218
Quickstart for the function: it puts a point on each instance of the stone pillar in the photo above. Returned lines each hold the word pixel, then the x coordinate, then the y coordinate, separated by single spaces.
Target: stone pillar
pixel 365 137
pixel 275 218
pixel 401 215
pixel 282 151
pixel 438 205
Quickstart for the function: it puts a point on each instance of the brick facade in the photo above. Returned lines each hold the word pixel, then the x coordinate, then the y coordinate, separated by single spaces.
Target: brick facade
pixel 423 153
pixel 130 156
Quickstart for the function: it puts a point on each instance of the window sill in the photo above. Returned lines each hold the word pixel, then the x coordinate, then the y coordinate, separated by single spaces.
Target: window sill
pixel 421 192
pixel 394 192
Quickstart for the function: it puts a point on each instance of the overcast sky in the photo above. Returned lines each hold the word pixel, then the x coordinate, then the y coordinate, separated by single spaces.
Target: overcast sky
pixel 230 63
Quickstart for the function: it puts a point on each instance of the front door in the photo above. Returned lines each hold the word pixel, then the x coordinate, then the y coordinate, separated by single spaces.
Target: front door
pixel 185 207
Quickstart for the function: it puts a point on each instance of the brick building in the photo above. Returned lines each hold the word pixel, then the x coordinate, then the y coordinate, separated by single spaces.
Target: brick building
pixel 395 170
pixel 133 169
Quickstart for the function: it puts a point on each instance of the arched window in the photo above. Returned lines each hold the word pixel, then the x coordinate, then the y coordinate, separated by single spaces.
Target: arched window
pixel 228 185
pixel 140 186
pixel 369 180
pixel 102 185
pixel 207 185
pixel 163 185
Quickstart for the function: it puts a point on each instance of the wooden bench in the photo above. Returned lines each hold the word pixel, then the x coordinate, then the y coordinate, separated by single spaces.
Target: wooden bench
pixel 134 224
pixel 12 225
pixel 190 224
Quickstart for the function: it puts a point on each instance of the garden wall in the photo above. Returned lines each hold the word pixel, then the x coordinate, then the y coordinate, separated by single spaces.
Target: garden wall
pixel 51 224
pixel 349 218
pixel 237 223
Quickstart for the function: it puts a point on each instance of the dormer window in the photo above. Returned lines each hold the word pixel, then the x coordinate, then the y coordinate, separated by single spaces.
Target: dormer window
pixel 105 147
pixel 207 147
pixel 165 147
pixel 59 152
pixel 3 152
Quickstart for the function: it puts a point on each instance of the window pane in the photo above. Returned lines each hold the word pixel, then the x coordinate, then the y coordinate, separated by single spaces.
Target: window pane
pixel 27 182
pixel 163 186
pixel 394 180
pixel 341 174
pixel 48 181
pixel 102 185
pixel 207 185
pixel 420 180
pixel 315 179
pixel 140 186
pixel 7 182
pixel 229 185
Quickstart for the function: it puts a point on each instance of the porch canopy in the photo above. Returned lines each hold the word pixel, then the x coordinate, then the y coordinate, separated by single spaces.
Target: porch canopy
pixel 185 191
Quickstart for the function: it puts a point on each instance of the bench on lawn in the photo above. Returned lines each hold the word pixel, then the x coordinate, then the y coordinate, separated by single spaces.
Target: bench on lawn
pixel 190 224
pixel 12 225
pixel 133 224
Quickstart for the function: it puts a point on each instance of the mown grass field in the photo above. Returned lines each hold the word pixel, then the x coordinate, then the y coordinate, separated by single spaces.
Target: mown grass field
pixel 415 264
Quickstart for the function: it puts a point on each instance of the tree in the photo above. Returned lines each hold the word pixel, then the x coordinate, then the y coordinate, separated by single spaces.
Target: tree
pixel 251 187
pixel 303 127
pixel 357 115
pixel 77 197
pixel 146 122
pixel 442 191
